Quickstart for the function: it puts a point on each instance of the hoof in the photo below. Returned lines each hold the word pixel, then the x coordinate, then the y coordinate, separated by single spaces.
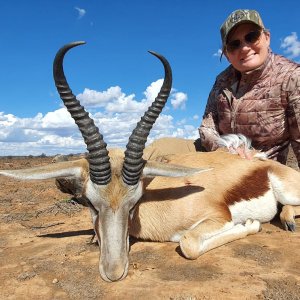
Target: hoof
pixel 290 226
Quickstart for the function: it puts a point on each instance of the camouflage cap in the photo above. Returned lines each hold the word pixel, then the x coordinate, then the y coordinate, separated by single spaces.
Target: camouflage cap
pixel 237 17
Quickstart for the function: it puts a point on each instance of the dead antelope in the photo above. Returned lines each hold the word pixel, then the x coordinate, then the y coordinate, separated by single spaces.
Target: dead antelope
pixel 180 204
pixel 59 158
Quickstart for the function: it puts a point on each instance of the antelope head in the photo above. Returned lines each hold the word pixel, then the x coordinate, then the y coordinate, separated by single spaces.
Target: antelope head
pixel 111 186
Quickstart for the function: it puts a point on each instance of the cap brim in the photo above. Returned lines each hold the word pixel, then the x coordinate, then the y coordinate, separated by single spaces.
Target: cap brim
pixel 239 23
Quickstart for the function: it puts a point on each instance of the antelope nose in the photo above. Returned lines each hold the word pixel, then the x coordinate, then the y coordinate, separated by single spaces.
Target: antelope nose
pixel 115 272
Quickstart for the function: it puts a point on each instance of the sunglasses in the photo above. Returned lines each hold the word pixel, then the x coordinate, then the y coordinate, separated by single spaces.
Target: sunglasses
pixel 250 38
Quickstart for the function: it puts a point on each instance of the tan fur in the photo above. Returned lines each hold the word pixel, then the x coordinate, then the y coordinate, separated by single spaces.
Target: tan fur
pixel 285 175
pixel 196 210
pixel 206 196
pixel 160 148
pixel 116 152
pixel 115 191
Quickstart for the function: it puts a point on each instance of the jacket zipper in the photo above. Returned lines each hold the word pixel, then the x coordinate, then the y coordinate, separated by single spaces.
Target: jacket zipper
pixel 233 115
pixel 233 112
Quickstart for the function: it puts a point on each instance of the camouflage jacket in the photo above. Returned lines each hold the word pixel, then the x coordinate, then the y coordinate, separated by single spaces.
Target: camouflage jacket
pixel 263 104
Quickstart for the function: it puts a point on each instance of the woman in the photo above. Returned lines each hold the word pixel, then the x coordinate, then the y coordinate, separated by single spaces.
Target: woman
pixel 258 95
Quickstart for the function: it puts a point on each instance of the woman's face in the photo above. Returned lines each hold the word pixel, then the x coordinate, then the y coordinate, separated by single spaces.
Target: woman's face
pixel 248 56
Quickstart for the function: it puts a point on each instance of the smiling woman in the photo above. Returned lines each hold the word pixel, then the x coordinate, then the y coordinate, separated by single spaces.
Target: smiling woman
pixel 258 95
pixel 247 47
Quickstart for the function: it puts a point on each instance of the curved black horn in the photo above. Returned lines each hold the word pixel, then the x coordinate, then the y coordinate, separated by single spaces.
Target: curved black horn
pixel 100 171
pixel 133 161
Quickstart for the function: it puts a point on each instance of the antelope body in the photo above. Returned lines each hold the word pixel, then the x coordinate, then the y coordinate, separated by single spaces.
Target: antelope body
pixel 59 158
pixel 173 201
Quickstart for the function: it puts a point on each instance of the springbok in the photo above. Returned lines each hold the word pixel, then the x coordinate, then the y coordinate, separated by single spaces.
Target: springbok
pixel 59 157
pixel 172 201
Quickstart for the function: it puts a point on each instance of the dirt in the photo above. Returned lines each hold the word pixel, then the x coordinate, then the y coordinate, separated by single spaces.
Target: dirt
pixel 45 253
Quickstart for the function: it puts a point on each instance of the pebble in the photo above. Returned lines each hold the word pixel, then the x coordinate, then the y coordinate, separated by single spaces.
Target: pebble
pixel 55 280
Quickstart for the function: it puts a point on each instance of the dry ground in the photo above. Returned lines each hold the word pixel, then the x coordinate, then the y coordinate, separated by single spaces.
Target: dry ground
pixel 44 254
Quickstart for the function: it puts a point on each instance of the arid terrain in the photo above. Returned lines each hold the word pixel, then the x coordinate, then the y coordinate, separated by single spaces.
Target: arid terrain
pixel 45 254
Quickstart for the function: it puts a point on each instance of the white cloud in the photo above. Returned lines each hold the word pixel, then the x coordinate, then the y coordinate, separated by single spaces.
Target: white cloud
pixel 81 12
pixel 94 98
pixel 178 100
pixel 218 53
pixel 7 120
pixel 114 113
pixel 57 119
pixel 291 45
pixel 152 90
pixel 126 104
pixel 65 142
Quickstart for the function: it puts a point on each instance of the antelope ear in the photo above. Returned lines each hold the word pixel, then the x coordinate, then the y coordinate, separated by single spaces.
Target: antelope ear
pixel 75 169
pixel 152 169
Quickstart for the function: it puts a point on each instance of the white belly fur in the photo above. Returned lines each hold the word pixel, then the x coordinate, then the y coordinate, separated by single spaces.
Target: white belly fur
pixel 263 209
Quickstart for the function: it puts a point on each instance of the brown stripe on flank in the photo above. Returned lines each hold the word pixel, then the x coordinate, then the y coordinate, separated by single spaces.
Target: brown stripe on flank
pixel 248 187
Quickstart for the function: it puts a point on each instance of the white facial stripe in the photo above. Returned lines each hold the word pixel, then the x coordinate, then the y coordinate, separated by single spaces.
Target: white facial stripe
pixel 93 193
pixel 115 230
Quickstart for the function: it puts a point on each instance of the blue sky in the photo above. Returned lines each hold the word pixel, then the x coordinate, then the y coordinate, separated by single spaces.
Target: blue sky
pixel 113 74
